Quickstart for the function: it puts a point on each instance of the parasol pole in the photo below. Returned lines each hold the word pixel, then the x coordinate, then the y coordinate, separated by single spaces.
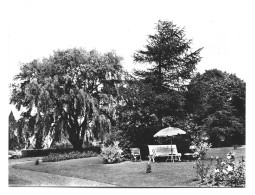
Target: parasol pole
pixel 172 150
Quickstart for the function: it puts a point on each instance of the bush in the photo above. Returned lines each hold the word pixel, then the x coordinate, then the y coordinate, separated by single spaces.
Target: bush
pixel 111 154
pixel 54 157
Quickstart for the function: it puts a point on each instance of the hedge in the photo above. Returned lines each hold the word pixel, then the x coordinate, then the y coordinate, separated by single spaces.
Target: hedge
pixel 45 152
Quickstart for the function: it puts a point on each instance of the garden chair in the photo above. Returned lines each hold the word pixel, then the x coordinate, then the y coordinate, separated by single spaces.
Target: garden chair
pixel 135 154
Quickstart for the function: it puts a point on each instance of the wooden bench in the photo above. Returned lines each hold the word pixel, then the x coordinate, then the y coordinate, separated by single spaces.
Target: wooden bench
pixel 169 151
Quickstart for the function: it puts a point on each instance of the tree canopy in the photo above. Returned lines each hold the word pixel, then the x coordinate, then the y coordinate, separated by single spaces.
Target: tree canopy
pixel 70 92
pixel 216 100
pixel 169 53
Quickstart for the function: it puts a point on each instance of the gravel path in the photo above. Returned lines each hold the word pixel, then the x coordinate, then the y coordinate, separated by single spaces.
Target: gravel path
pixel 19 177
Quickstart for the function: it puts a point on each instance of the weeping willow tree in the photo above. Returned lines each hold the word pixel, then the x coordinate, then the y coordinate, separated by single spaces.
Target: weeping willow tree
pixel 72 92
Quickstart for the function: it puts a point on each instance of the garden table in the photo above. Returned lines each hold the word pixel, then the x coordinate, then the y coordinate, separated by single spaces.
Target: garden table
pixel 189 156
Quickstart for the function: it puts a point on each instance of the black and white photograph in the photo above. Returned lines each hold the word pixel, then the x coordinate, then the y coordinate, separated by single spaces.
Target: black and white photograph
pixel 128 94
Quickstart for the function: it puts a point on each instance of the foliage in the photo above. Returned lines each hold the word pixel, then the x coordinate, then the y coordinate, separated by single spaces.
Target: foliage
pixel 199 142
pixel 13 137
pixel 16 140
pixel 216 101
pixel 113 136
pixel 201 149
pixel 227 173
pixel 137 122
pixel 168 51
pixel 144 111
pixel 111 154
pixel 72 93
pixel 152 99
pixel 54 157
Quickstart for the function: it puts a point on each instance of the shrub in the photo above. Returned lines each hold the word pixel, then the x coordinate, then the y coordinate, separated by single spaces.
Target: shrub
pixel 111 154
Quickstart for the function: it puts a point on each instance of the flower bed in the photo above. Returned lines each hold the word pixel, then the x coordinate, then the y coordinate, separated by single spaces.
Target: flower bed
pixel 226 173
pixel 45 152
pixel 54 157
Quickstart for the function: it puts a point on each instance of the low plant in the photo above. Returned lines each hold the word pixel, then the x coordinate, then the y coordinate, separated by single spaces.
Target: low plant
pixel 37 162
pixel 148 166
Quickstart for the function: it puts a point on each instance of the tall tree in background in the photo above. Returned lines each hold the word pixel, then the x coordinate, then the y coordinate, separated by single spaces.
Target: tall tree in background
pixel 216 101
pixel 13 141
pixel 137 118
pixel 173 63
pixel 71 92
pixel 171 57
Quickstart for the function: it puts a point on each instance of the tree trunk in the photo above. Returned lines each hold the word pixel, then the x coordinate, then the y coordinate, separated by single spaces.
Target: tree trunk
pixel 74 138
pixel 77 145
pixel 160 76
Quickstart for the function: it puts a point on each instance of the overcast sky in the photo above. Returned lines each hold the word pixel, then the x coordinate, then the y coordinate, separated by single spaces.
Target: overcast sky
pixel 36 28
pixel 222 27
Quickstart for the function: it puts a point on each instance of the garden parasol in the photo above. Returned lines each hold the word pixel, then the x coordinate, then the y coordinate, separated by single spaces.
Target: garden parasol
pixel 169 132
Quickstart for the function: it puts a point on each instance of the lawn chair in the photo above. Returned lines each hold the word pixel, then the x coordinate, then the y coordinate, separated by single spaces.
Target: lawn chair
pixel 135 154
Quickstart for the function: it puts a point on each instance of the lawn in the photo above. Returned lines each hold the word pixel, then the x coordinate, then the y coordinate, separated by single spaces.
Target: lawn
pixel 129 174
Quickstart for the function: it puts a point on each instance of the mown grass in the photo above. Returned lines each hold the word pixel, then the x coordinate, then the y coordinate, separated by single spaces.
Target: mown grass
pixel 129 174
pixel 13 180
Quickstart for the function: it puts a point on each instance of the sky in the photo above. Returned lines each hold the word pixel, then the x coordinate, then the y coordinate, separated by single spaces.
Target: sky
pixel 37 28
